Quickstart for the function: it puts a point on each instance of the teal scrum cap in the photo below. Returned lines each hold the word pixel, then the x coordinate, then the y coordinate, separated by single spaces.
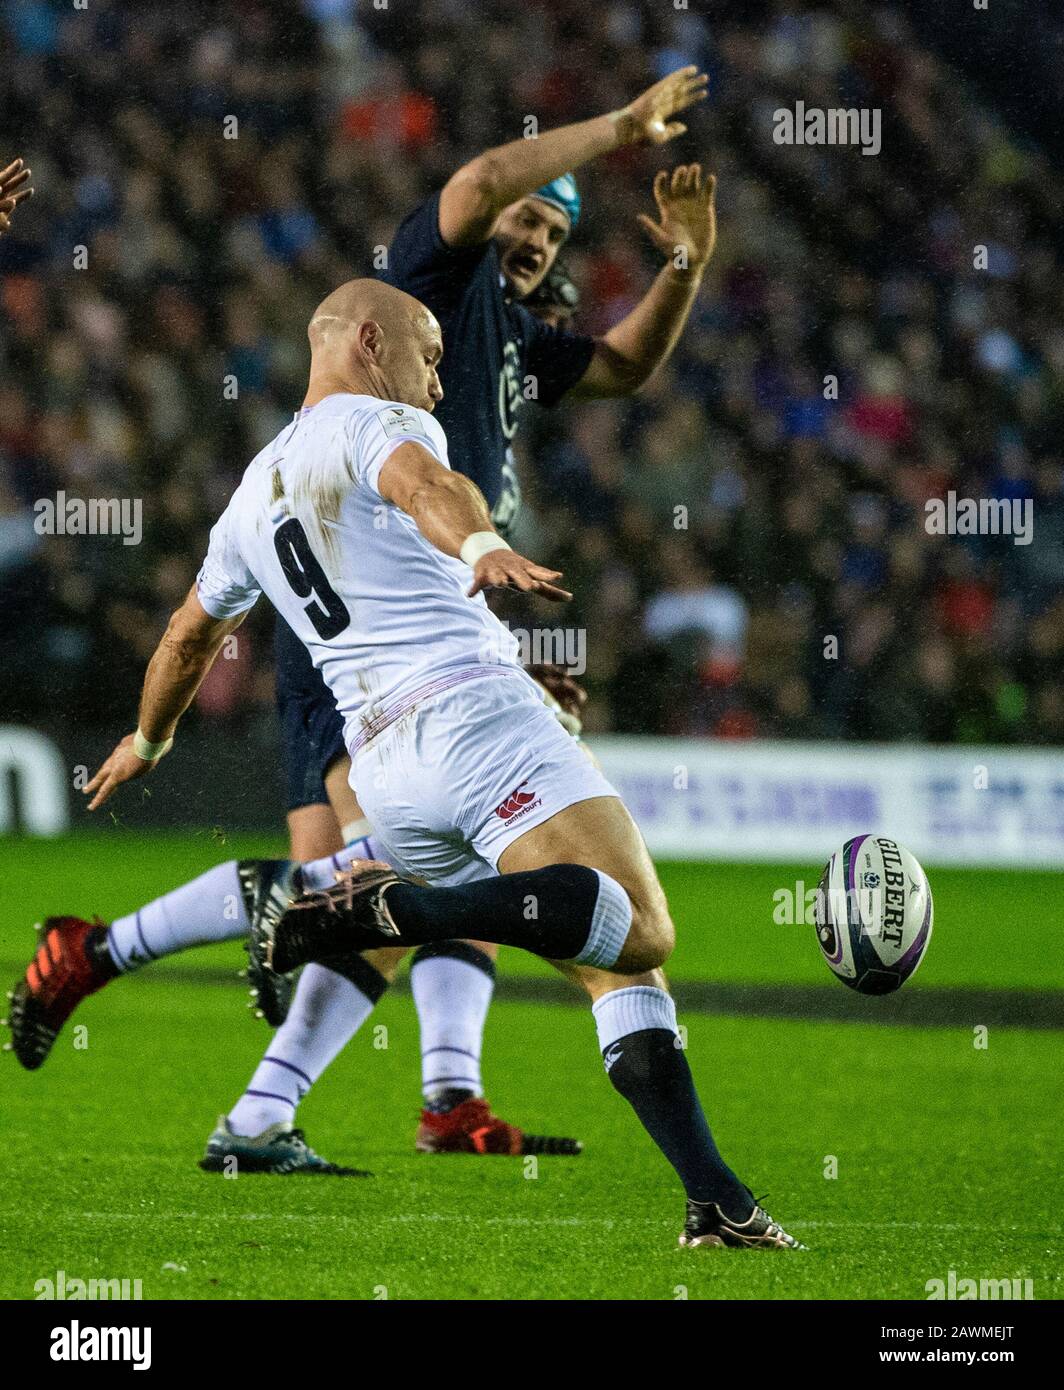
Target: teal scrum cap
pixel 562 193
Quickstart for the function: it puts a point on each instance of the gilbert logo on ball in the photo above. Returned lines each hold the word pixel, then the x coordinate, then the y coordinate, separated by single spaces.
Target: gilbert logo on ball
pixel 874 914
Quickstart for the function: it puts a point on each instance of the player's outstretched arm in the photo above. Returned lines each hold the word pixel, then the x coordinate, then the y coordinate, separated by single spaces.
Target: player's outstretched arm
pixel 475 196
pixel 14 189
pixel 451 513
pixel 686 235
pixel 184 656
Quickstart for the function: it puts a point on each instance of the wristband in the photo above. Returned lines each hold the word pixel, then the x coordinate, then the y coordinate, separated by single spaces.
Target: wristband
pixel 479 544
pixel 151 752
pixel 621 120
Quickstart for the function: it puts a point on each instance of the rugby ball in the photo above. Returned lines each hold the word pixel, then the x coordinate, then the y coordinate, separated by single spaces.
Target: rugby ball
pixel 873 914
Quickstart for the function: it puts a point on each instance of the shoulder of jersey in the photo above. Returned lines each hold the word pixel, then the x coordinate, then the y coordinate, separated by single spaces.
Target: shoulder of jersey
pixel 401 419
pixel 398 421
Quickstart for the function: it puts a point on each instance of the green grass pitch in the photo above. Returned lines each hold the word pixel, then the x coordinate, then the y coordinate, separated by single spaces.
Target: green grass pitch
pixel 947 1155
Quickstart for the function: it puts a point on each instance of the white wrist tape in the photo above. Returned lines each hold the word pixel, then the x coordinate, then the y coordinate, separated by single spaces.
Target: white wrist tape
pixel 150 752
pixel 621 120
pixel 479 544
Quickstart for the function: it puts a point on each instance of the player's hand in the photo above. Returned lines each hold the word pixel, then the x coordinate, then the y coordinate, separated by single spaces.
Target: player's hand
pixel 686 229
pixel 559 684
pixel 648 119
pixel 13 190
pixel 122 766
pixel 505 569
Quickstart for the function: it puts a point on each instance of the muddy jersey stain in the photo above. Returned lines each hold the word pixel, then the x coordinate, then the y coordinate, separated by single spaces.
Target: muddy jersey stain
pixel 318 495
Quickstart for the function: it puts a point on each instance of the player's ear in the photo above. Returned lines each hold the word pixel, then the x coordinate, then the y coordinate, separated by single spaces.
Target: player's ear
pixel 371 338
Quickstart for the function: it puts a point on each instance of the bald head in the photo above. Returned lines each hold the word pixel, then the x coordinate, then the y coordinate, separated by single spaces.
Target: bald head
pixel 372 339
pixel 358 301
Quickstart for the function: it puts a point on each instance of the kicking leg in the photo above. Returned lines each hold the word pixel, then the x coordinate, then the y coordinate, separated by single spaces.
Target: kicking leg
pixel 452 986
pixel 583 878
pixel 560 908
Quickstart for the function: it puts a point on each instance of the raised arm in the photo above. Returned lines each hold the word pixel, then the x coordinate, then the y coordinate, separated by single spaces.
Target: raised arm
pixel 184 656
pixel 474 197
pixel 686 234
pixel 451 513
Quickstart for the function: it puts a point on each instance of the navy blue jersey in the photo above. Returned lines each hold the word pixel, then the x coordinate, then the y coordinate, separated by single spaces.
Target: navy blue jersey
pixel 492 348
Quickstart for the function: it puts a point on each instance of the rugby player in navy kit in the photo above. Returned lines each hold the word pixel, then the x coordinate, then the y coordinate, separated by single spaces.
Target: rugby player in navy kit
pixel 470 253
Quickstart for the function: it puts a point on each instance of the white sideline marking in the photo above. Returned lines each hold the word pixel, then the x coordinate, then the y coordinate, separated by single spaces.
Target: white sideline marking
pixel 607 1222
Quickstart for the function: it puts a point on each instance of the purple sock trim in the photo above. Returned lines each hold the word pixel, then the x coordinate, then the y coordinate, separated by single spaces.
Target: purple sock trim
pixel 438 1081
pixel 115 954
pixel 269 1095
pixel 147 950
pixel 278 1062
pixel 463 1050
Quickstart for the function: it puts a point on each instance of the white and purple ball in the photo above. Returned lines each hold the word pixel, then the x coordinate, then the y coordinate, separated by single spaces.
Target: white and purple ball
pixel 874 914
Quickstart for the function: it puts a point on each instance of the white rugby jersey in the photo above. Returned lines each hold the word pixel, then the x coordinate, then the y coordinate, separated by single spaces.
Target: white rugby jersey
pixel 383 613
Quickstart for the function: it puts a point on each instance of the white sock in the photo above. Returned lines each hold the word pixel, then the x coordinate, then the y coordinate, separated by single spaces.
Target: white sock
pixel 210 908
pixel 610 924
pixel 452 983
pixel 321 873
pixel 632 1010
pixel 327 1011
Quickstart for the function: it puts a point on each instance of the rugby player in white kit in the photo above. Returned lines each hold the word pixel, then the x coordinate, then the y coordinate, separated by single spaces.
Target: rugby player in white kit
pixel 377 555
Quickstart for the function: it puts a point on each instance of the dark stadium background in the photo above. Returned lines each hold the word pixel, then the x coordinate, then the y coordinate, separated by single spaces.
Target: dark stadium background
pixel 202 260
pixel 205 254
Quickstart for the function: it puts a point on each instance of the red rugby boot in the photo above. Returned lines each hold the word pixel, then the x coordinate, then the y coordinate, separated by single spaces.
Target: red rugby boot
pixel 70 963
pixel 471 1128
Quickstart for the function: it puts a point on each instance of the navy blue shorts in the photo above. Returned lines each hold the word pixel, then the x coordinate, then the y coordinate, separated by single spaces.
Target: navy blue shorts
pixel 312 732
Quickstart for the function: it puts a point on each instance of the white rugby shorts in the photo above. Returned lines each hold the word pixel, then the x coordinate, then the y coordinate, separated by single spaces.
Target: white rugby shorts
pixel 459 777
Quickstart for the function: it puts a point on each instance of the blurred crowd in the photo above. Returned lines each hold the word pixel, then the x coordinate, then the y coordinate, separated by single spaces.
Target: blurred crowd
pixel 746 539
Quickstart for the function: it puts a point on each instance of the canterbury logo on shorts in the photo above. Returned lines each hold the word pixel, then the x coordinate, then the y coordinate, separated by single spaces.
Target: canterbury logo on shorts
pixel 516 803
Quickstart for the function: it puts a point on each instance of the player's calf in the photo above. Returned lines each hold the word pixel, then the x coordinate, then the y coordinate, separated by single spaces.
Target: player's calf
pixel 563 912
pixel 650 941
pixel 600 834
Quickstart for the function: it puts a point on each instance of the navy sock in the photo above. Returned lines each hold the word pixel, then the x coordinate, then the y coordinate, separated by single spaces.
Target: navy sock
pixel 548 911
pixel 650 1070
